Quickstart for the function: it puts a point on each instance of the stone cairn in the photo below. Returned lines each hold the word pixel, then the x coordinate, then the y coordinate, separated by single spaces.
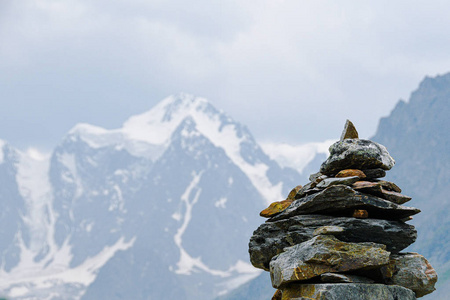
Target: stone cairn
pixel 340 235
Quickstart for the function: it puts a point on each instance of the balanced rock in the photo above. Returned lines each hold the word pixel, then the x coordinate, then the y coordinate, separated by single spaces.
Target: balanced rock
pixel 349 131
pixel 328 230
pixel 335 181
pixel 411 270
pixel 323 254
pixel 346 291
pixel 374 173
pixel 272 237
pixel 356 154
pixel 350 173
pixel 342 200
pixel 294 192
pixel 384 189
pixel 390 186
pixel 275 208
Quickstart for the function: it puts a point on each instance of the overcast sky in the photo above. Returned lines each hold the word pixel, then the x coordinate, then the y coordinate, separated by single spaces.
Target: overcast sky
pixel 292 71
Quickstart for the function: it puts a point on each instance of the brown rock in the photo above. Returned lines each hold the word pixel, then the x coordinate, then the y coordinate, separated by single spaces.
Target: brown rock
pixel 394 196
pixel 360 214
pixel 377 189
pixel 277 296
pixel 275 208
pixel 367 186
pixel 294 192
pixel 350 173
pixel 390 186
pixel 349 131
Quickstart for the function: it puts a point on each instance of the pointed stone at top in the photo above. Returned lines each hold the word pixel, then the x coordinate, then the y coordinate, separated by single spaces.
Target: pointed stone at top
pixel 349 131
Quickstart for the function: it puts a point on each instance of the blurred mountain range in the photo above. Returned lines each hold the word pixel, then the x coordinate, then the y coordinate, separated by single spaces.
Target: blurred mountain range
pixel 163 208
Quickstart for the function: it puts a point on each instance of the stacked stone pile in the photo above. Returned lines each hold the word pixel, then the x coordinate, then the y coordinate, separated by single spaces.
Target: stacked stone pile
pixel 340 235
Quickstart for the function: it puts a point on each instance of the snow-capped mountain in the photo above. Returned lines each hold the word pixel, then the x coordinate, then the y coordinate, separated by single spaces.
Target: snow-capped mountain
pixel 161 208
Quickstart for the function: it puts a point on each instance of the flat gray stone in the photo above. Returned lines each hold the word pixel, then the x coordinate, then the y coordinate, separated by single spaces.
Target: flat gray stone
pixel 346 291
pixel 324 254
pixel 374 173
pixel 342 200
pixel 335 181
pixel 272 237
pixel 356 154
pixel 328 230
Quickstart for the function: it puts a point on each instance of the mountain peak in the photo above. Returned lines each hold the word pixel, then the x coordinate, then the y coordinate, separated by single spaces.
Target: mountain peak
pixel 157 125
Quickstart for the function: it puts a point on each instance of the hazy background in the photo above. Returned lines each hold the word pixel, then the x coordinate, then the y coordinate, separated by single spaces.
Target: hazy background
pixel 303 66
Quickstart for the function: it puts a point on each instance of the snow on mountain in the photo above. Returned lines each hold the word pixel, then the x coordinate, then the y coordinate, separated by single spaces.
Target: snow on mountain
pixel 161 208
pixel 296 156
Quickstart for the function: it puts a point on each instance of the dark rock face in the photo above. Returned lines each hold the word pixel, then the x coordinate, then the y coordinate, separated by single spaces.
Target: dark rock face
pixel 323 254
pixel 344 278
pixel 272 237
pixel 347 291
pixel 374 173
pixel 343 200
pixel 356 154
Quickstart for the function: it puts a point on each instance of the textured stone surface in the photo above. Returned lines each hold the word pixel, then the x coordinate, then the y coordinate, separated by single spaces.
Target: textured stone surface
pixel 367 187
pixel 335 181
pixel 346 291
pixel 342 200
pixel 349 131
pixel 344 278
pixel 326 230
pixel 272 237
pixel 306 190
pixel 277 295
pixel 394 196
pixel 293 192
pixel 390 186
pixel 275 208
pixel 411 270
pixel 350 173
pixel 356 154
pixel 381 189
pixel 374 173
pixel 323 254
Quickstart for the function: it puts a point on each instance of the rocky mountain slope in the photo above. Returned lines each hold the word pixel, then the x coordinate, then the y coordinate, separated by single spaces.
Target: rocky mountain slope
pixel 161 208
pixel 418 137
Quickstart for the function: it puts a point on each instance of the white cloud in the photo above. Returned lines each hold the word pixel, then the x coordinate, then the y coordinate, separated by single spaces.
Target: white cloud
pixel 304 65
